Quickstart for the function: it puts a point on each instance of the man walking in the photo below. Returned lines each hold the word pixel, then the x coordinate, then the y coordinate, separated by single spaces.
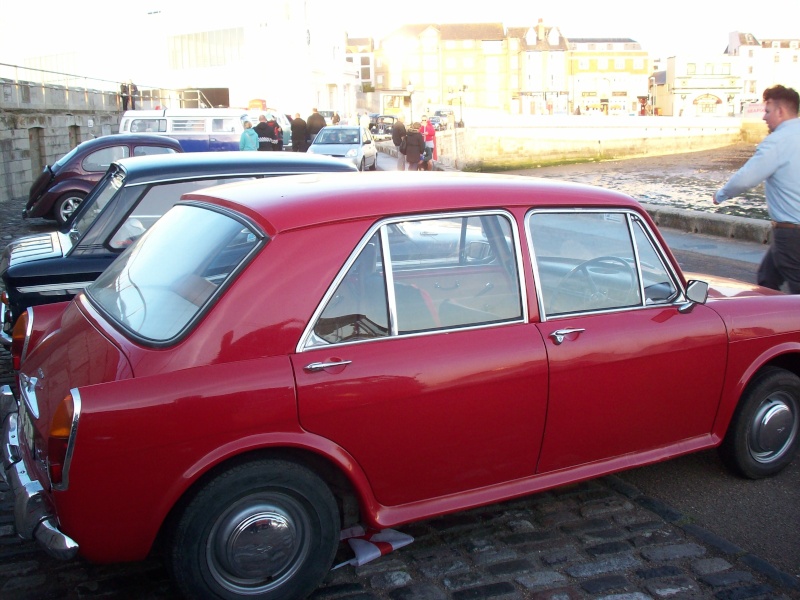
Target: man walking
pixel 299 134
pixel 398 133
pixel 315 122
pixel 776 163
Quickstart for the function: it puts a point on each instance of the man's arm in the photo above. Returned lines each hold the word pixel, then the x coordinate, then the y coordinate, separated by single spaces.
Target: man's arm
pixel 760 166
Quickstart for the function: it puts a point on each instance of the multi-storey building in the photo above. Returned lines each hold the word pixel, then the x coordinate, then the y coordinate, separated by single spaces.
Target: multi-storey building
pixel 764 63
pixel 608 75
pixel 521 70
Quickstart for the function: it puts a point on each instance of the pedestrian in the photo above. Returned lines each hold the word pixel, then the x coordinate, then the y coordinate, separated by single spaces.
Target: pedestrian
pixel 124 94
pixel 776 162
pixel 299 134
pixel 398 135
pixel 277 133
pixel 134 93
pixel 315 122
pixel 415 146
pixel 335 118
pixel 265 134
pixel 429 132
pixel 249 138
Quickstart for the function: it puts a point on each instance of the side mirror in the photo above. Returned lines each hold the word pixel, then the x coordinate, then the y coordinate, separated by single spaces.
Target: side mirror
pixel 696 293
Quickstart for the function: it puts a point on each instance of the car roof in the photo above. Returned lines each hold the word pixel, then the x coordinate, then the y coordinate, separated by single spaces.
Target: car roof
pixel 160 167
pixel 133 138
pixel 293 202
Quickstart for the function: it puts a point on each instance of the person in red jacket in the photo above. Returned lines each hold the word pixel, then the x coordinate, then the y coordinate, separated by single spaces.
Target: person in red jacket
pixel 428 131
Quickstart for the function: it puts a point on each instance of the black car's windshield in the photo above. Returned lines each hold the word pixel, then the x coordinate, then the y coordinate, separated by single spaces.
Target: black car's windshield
pixel 67 157
pixel 95 202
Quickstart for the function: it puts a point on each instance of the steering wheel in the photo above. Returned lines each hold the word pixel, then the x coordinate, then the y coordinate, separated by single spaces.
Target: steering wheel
pixel 598 296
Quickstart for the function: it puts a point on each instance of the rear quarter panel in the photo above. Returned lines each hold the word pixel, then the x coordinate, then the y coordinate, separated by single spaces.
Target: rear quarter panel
pixel 142 442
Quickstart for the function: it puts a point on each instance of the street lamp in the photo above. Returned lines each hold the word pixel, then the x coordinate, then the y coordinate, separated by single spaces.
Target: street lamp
pixel 461 106
pixel 410 90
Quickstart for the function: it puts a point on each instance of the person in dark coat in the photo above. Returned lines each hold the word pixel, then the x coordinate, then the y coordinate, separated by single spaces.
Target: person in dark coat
pixel 398 133
pixel 415 146
pixel 265 134
pixel 315 122
pixel 125 94
pixel 299 134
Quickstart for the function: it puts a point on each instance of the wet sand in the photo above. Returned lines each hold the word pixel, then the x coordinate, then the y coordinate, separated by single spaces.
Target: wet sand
pixel 679 180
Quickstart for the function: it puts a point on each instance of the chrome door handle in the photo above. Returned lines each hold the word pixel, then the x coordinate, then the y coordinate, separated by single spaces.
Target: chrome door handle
pixel 559 334
pixel 320 366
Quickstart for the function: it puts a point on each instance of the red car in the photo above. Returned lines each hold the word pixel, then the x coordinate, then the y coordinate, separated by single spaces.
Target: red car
pixel 60 188
pixel 273 361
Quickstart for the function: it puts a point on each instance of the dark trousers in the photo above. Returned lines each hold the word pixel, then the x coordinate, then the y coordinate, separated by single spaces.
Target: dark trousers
pixel 781 263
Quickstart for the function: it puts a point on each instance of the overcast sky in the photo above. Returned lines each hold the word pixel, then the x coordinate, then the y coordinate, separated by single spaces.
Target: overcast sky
pixel 663 27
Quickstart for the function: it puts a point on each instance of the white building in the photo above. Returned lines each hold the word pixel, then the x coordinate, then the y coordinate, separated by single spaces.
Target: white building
pixel 289 53
pixel 765 63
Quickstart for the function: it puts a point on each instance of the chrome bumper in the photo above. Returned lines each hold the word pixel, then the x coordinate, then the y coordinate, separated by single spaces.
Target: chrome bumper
pixel 32 517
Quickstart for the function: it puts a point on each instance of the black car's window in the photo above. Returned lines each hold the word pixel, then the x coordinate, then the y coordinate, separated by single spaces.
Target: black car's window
pixel 100 160
pixel 157 200
pixel 422 275
pixel 594 261
pixel 148 150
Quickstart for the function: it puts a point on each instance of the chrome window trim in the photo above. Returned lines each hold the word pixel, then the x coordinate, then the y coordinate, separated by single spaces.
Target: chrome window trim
pixel 305 342
pixel 73 432
pixel 631 218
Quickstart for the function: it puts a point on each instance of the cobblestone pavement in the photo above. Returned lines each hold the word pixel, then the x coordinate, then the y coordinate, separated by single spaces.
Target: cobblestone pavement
pixel 601 539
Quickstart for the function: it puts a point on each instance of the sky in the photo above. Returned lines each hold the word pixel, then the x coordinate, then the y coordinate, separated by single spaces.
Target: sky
pixel 662 27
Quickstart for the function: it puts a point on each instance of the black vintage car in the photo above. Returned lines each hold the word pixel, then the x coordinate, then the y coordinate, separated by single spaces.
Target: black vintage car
pixel 133 194
pixel 380 126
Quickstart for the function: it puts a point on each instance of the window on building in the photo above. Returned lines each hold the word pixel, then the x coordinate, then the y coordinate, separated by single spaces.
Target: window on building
pixel 619 64
pixel 776 45
pixel 468 44
pixel 592 46
pixel 691 68
pixel 450 63
pixel 777 58
pixel 492 46
pixel 450 44
pixel 583 64
pixel 609 46
pixel 751 54
pixel 709 69
pixel 638 63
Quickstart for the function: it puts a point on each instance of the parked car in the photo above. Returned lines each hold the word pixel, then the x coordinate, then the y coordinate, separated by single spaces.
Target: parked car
pixel 352 143
pixel 273 361
pixel 60 188
pixel 381 127
pixel 438 123
pixel 135 192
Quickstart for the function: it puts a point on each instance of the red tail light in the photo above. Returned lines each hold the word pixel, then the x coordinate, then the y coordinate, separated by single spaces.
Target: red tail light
pixel 19 337
pixel 58 440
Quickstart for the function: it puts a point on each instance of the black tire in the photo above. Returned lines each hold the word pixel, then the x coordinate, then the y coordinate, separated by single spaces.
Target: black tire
pixel 362 166
pixel 66 205
pixel 374 166
pixel 266 529
pixel 765 430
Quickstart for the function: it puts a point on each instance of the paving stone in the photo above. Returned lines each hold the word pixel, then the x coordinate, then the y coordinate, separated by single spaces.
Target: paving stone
pixel 559 556
pixel 390 579
pixel 533 537
pixel 745 592
pixel 541 579
pixel 586 525
pixel 521 526
pixel 605 507
pixel 438 569
pixel 710 565
pixel 336 591
pixel 608 548
pixel 712 539
pixel 609 583
pixel 670 588
pixel 559 518
pixel 559 594
pixel 491 557
pixel 667 513
pixel 658 537
pixel 418 592
pixel 600 567
pixel 511 567
pixel 726 578
pixel 673 552
pixel 491 590
pixel 776 575
pixel 659 572
pixel 630 596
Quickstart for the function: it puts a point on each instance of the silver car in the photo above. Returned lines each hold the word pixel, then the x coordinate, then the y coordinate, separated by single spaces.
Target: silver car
pixel 349 142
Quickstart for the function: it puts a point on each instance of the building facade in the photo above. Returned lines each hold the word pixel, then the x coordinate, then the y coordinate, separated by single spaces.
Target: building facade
pixel 764 63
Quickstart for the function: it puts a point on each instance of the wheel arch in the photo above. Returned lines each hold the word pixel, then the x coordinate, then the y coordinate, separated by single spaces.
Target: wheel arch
pixel 785 356
pixel 343 477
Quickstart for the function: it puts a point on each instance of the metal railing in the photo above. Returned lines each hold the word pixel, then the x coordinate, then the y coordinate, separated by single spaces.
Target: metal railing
pixel 28 88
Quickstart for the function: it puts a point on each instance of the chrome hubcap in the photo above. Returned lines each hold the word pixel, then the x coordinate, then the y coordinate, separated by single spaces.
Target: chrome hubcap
pixel 774 428
pixel 258 543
